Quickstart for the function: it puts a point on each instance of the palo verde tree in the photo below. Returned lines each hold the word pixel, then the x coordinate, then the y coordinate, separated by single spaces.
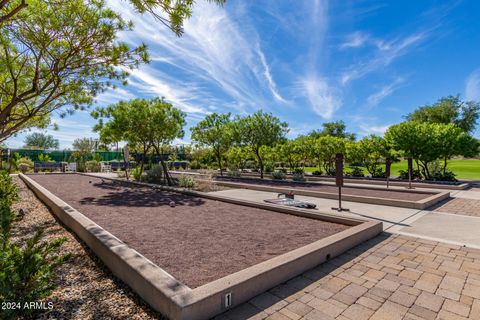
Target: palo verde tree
pixel 42 141
pixel 324 150
pixel 151 123
pixel 56 54
pixel 125 123
pixel 334 129
pixel 374 151
pixel 449 109
pixel 215 131
pixel 258 130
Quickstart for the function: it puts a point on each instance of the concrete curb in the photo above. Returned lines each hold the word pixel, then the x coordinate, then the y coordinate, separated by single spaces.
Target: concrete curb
pixel 421 204
pixel 177 301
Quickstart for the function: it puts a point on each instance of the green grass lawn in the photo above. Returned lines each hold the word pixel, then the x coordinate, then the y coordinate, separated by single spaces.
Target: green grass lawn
pixel 464 169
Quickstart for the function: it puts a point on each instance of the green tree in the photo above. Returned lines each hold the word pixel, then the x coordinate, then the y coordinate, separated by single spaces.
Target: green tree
pixel 41 141
pixel 374 151
pixel 172 13
pixel 84 147
pixel 57 54
pixel 152 123
pixel 325 149
pixel 10 8
pixel 215 131
pixel 258 130
pixel 335 129
pixel 237 157
pixel 449 109
pixel 427 142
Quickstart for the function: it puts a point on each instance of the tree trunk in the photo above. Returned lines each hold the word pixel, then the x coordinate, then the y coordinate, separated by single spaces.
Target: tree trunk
pixel 219 160
pixel 164 166
pixel 444 166
pixel 260 162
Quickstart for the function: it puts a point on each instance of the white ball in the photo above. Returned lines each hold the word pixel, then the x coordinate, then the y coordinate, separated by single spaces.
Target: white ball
pixel 172 204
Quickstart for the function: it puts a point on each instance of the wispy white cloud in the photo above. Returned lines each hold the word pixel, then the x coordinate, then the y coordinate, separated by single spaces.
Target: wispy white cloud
pixel 375 98
pixel 323 99
pixel 472 86
pixel 373 129
pixel 355 40
pixel 387 52
pixel 215 50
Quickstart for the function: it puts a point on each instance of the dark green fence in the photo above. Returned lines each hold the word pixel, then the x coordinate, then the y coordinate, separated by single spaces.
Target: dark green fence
pixel 63 155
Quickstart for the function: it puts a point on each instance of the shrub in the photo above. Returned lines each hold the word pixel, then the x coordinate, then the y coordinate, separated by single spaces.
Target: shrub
pixel 298 171
pixel 234 174
pixel 81 166
pixel 447 176
pixel 298 177
pixel 155 174
pixel 26 272
pixel 24 164
pixel 379 173
pixel 356 172
pixel 403 174
pixel 194 165
pixel 44 158
pixel 269 167
pixel 186 182
pixel 92 166
pixel 278 175
pixel 317 173
pixel 137 173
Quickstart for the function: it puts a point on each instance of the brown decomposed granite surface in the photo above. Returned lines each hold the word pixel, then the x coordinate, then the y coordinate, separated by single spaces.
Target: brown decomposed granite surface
pixel 198 240
pixel 396 194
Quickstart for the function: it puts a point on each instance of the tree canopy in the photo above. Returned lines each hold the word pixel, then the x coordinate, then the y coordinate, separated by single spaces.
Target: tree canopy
pixel 215 131
pixel 335 129
pixel 170 13
pixel 150 123
pixel 38 140
pixel 57 54
pixel 449 109
pixel 258 130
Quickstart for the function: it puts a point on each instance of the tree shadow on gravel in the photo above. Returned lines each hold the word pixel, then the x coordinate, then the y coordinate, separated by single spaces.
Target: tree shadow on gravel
pixel 128 196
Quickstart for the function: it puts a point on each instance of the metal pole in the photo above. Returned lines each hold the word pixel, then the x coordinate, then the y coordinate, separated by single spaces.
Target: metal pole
pixel 339 198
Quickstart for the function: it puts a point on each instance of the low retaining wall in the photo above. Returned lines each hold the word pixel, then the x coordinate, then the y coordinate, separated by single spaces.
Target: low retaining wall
pixel 421 204
pixel 177 301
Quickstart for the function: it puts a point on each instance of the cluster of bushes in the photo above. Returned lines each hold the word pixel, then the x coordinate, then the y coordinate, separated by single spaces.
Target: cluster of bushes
pixel 26 269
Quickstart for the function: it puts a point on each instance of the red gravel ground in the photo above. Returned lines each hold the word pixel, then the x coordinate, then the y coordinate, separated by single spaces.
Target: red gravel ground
pixel 197 241
pixel 351 191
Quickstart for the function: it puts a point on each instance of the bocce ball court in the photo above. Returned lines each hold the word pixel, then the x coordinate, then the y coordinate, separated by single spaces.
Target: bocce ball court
pixel 408 198
pixel 188 251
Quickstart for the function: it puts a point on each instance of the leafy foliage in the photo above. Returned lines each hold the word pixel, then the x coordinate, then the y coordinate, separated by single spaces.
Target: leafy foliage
pixel 215 131
pixel 186 182
pixel 447 110
pixel 259 130
pixel 58 54
pixel 41 141
pixel 278 175
pixel 26 272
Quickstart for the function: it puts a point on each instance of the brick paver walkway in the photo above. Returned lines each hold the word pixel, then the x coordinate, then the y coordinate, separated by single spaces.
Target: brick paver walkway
pixel 466 207
pixel 388 277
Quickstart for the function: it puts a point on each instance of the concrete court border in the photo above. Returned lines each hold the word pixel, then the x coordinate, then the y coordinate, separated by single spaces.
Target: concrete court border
pixel 420 204
pixel 359 181
pixel 172 298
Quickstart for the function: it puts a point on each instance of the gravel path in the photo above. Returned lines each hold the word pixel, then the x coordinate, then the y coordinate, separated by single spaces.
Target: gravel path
pixel 86 289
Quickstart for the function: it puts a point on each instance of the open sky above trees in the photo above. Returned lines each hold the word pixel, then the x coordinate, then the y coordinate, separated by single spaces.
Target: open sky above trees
pixel 356 61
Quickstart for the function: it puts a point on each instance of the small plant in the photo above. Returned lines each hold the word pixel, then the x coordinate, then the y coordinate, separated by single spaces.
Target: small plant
pixel 234 174
pixel 44 158
pixel 137 173
pixel 24 164
pixel 447 176
pixel 298 171
pixel 403 174
pixel 278 175
pixel 317 173
pixel 155 174
pixel 194 165
pixel 379 173
pixel 92 166
pixel 356 172
pixel 26 272
pixel 186 182
pixel 298 177
pixel 269 167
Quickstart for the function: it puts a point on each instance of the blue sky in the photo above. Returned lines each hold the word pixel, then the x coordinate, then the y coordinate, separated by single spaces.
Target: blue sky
pixel 365 62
